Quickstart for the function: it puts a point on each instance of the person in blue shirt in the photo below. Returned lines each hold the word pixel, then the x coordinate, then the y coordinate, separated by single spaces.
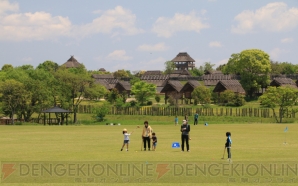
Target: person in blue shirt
pixel 228 145
pixel 176 120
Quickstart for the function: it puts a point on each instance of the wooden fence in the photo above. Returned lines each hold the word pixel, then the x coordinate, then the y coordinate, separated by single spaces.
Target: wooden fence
pixel 180 111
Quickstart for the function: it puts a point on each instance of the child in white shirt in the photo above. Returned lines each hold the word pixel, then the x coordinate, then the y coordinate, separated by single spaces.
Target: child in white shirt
pixel 126 139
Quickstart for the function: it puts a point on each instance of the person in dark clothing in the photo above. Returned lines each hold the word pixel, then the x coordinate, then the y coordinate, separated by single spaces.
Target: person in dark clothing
pixel 196 118
pixel 228 145
pixel 185 129
pixel 154 141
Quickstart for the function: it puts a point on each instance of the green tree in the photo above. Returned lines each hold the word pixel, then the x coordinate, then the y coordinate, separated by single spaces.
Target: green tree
pixel 227 96
pixel 169 67
pixel 157 98
pixel 208 66
pixel 143 91
pixel 95 91
pixel 112 95
pixel 253 66
pixel 99 112
pixel 202 95
pixel 121 74
pixel 72 86
pixel 283 98
pixel 7 67
pixel 197 71
pixel 12 95
pixel 49 66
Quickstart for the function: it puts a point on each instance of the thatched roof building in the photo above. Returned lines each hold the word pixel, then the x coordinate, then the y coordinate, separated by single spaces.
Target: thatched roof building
pixel 123 87
pixel 103 76
pixel 189 87
pixel 72 63
pixel 233 85
pixel 172 88
pixel 183 61
pixel 213 79
pixel 277 82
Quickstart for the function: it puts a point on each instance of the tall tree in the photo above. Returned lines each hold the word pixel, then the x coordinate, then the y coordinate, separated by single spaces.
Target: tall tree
pixel 49 66
pixel 7 67
pixel 143 91
pixel 169 67
pixel 12 95
pixel 254 67
pixel 73 83
pixel 283 98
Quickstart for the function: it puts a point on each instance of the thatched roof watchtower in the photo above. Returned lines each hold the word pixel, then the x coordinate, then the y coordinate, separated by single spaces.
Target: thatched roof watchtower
pixel 183 61
pixel 72 63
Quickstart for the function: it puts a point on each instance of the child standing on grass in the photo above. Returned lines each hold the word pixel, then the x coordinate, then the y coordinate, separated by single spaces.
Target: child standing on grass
pixel 228 145
pixel 126 139
pixel 154 141
pixel 176 120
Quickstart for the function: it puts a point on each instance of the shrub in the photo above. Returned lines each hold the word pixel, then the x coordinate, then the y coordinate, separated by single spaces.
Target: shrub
pixel 157 98
pixel 149 102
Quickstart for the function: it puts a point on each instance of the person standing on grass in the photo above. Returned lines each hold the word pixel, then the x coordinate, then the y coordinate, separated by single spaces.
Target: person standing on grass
pixel 126 139
pixel 228 145
pixel 196 118
pixel 146 135
pixel 176 120
pixel 185 129
pixel 186 118
pixel 154 141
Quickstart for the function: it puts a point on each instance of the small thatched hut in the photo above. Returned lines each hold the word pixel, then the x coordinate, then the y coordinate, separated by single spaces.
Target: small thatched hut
pixel 172 88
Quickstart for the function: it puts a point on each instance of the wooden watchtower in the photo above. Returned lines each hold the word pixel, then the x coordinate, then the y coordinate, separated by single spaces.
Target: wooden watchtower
pixel 183 61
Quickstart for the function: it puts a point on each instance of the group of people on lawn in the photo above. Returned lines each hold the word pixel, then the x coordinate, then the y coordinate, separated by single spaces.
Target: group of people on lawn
pixel 148 134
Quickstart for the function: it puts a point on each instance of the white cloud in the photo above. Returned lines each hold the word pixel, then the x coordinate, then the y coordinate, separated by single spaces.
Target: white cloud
pixel 276 52
pixel 287 40
pixel 215 44
pixel 26 59
pixel 33 26
pixel 150 48
pixel 110 22
pixel 167 27
pixel 43 25
pixel 118 55
pixel 275 17
pixel 153 64
pixel 5 6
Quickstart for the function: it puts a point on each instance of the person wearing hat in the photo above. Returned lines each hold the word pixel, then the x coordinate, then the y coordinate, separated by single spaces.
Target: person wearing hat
pixel 146 135
pixel 185 129
pixel 126 139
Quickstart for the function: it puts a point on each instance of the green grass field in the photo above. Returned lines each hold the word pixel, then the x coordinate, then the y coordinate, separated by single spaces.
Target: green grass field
pixel 101 143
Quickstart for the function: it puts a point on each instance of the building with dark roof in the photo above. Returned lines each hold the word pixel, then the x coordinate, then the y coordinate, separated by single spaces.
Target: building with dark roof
pixel 183 61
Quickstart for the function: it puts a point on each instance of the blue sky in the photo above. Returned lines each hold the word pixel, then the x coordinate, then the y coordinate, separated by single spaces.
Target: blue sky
pixel 141 35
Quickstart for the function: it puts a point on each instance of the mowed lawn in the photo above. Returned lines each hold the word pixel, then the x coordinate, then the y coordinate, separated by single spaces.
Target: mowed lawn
pixel 94 143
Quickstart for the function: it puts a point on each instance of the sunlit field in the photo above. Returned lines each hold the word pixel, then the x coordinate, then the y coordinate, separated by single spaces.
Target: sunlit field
pixel 263 143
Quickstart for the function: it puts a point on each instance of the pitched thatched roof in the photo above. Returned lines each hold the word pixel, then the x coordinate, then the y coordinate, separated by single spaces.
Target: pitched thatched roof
pixel 125 84
pixel 183 57
pixel 56 110
pixel 283 82
pixel 153 72
pixel 233 85
pixel 213 79
pixel 172 86
pixel 103 76
pixel 104 83
pixel 72 63
pixel 102 70
pixel 190 85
